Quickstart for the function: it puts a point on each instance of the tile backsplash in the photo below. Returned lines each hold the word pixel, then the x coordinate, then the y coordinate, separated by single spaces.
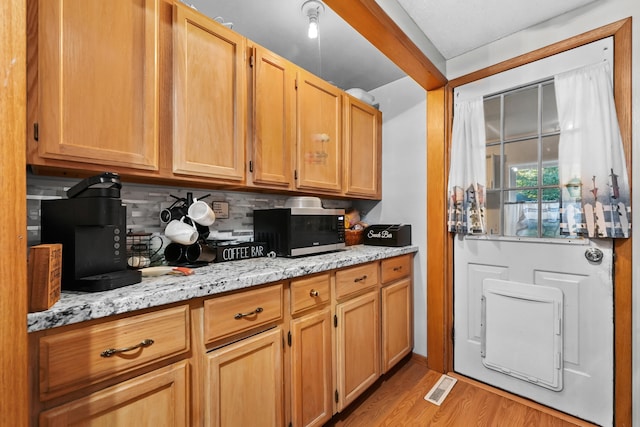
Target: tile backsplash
pixel 144 203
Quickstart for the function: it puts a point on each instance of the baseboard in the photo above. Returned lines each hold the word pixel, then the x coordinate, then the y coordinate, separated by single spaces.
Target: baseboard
pixel 420 359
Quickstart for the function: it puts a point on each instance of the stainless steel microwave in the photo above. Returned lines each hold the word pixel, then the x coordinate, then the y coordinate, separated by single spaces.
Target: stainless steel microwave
pixel 296 231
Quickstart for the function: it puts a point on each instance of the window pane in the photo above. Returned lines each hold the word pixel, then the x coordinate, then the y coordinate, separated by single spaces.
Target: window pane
pixel 521 113
pixel 549 109
pixel 550 214
pixel 521 163
pixel 493 166
pixel 492 212
pixel 550 160
pixel 520 218
pixel 550 148
pixel 492 119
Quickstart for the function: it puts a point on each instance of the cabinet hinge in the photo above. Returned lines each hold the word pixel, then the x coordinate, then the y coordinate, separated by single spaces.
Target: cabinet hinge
pixel 453 334
pixel 250 165
pixel 35 131
pixel 289 338
pixel 335 320
pixel 336 396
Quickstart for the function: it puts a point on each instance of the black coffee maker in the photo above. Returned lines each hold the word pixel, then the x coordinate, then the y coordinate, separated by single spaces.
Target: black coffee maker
pixel 91 225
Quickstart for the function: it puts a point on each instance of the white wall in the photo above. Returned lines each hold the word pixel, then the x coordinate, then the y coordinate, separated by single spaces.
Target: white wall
pixel 568 25
pixel 404 181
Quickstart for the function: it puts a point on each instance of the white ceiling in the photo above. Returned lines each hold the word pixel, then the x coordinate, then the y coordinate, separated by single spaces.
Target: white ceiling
pixel 442 29
pixel 459 26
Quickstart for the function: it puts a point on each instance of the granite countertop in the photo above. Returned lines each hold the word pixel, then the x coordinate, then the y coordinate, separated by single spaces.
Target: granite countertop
pixel 75 307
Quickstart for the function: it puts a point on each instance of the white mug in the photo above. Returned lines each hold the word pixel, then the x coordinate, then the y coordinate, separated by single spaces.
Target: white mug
pixel 201 213
pixel 180 232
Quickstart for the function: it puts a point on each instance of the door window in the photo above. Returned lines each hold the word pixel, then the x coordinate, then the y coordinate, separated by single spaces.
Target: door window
pixel 523 191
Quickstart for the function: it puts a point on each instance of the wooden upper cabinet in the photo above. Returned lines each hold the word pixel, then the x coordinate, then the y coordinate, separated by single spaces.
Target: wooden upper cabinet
pixel 209 97
pixel 362 149
pixel 319 149
pixel 273 138
pixel 97 97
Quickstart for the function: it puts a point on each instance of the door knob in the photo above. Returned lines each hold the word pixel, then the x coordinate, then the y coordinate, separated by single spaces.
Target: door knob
pixel 593 254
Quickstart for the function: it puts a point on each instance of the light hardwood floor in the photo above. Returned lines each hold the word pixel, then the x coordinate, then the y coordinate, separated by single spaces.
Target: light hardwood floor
pixel 397 399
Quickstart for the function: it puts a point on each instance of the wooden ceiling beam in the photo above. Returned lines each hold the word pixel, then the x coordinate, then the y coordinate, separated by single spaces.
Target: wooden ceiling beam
pixel 367 18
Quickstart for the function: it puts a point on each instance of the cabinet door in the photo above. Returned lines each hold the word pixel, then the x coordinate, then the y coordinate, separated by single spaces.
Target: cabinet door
pixel 319 149
pixel 98 82
pixel 358 346
pixel 397 323
pixel 209 97
pixel 274 134
pixel 362 149
pixel 311 369
pixel 244 386
pixel 158 398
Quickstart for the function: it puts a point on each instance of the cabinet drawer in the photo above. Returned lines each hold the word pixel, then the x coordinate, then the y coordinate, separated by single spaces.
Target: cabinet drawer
pixel 355 279
pixel 140 401
pixel 395 268
pixel 231 314
pixel 74 359
pixel 309 292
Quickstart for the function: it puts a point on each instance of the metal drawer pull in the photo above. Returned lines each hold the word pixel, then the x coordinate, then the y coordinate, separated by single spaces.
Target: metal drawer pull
pixel 359 279
pixel 111 351
pixel 397 268
pixel 241 315
pixel 314 293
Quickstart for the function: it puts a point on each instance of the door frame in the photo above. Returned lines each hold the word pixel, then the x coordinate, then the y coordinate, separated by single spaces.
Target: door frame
pixel 440 242
pixel 13 239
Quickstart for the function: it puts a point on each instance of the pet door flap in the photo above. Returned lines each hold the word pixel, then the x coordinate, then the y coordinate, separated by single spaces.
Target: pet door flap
pixel 522 331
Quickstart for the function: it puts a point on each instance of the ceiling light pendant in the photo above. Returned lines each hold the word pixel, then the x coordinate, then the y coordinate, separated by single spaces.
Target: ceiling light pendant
pixel 312 9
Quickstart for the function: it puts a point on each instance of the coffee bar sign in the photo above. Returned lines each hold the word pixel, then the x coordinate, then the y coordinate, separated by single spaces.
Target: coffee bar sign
pixel 240 251
pixel 388 235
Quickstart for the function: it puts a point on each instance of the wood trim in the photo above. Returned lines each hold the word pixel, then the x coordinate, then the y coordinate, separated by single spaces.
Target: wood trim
pixel 439 243
pixel 418 358
pixel 621 31
pixel 561 46
pixel 13 268
pixel 622 268
pixel 366 17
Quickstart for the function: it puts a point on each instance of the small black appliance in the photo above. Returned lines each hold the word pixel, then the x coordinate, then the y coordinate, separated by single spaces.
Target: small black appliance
pixel 302 227
pixel 91 225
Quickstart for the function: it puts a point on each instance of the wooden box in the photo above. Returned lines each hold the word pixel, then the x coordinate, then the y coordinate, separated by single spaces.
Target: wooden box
pixel 44 274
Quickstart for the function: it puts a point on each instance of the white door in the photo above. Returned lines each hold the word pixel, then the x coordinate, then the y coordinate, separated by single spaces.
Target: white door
pixel 586 321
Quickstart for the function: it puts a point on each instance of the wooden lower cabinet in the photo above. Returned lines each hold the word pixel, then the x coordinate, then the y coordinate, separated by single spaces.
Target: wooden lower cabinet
pixel 397 322
pixel 358 346
pixel 158 398
pixel 244 383
pixel 311 383
pixel 224 360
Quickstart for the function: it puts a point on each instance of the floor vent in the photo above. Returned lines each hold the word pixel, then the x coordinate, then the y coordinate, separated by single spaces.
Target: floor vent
pixel 440 390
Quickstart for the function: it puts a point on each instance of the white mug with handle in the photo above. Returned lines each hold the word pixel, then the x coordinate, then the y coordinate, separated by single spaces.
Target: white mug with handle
pixel 201 213
pixel 178 231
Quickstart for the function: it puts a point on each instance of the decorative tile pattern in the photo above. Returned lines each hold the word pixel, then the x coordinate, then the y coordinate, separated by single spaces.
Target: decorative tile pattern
pixel 144 203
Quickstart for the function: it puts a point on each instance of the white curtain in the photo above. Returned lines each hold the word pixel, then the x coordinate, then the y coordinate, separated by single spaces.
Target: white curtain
pixel 467 170
pixel 592 166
